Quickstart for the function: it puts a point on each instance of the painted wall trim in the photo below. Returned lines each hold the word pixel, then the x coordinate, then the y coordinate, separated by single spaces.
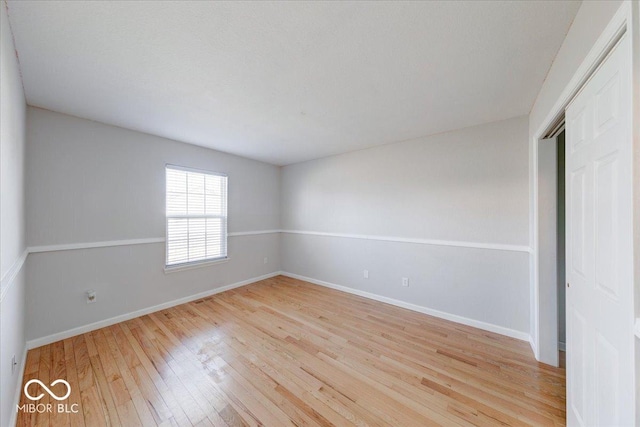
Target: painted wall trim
pixel 454 243
pixel 37 342
pixel 252 233
pixel 421 309
pixel 127 242
pixel 13 419
pixel 92 245
pixel 10 275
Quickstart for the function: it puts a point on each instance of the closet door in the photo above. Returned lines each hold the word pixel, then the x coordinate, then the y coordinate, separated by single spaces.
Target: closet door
pixel 600 365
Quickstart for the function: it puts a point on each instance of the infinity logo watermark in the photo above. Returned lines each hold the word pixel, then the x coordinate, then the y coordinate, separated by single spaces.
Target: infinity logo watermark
pixel 48 407
pixel 52 394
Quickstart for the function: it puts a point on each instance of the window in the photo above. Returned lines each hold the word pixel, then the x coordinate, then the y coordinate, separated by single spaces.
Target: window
pixel 196 216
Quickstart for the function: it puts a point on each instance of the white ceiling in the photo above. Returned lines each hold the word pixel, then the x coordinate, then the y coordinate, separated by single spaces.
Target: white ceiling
pixel 291 81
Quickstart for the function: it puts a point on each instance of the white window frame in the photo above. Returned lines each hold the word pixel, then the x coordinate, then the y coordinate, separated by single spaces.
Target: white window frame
pixel 169 268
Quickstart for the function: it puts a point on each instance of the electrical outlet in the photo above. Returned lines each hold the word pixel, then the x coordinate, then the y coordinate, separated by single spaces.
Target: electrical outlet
pixel 266 260
pixel 365 273
pixel 14 364
pixel 91 296
pixel 405 281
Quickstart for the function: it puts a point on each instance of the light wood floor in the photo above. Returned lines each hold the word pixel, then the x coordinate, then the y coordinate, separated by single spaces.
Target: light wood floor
pixel 284 352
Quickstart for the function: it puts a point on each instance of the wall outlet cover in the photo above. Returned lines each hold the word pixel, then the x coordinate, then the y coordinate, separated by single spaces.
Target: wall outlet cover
pixel 91 296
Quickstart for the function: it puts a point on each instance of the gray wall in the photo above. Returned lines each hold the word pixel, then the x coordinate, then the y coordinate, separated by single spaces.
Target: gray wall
pixel 12 221
pixel 90 182
pixel 464 187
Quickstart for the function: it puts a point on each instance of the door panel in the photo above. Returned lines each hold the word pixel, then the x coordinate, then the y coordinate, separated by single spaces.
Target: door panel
pixel 606 386
pixel 606 243
pixel 577 330
pixel 576 211
pixel 577 128
pixel 600 368
pixel 607 104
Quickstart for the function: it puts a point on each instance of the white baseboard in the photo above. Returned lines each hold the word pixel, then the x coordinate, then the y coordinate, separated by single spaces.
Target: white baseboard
pixel 432 312
pixel 13 419
pixel 132 315
pixel 534 348
pixel 562 346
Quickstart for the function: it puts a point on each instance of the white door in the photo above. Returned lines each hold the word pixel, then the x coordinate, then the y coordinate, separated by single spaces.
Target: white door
pixel 600 365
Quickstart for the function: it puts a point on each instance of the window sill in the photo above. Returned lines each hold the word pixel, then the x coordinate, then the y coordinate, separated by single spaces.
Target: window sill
pixel 197 264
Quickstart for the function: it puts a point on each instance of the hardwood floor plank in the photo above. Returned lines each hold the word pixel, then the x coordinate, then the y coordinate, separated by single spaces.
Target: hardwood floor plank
pixel 285 352
pixel 72 378
pixel 44 369
pixel 246 408
pixel 141 408
pixel 271 363
pixel 107 398
pixel 266 340
pixel 32 367
pixel 189 373
pixel 92 406
pixel 58 371
pixel 148 370
pixel 158 357
pixel 92 410
pixel 421 354
pixel 253 376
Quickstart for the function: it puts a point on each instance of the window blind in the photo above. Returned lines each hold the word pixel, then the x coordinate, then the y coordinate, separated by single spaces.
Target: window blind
pixel 196 216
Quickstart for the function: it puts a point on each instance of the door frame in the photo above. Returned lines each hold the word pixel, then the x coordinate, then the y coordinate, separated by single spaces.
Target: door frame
pixel 621 23
pixel 548 346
